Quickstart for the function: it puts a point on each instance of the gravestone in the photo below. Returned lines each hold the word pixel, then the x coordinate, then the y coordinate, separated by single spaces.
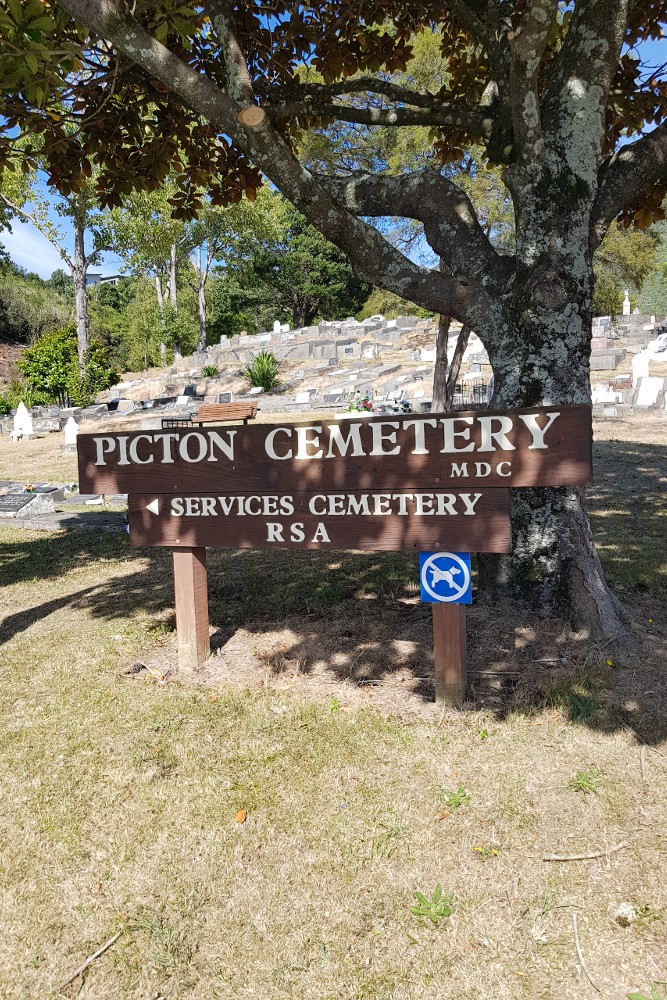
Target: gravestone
pixel 22 423
pixel 224 397
pixel 71 433
pixel 16 505
pixel 640 366
pixel 647 391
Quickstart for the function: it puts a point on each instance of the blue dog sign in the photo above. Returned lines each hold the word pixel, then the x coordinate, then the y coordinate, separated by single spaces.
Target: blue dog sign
pixel 445 577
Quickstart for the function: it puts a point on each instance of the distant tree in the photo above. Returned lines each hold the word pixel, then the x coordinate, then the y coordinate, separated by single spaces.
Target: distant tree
pixel 61 283
pixel 311 278
pixel 24 194
pixel 51 368
pixel 625 258
pixel 152 244
pixel 29 308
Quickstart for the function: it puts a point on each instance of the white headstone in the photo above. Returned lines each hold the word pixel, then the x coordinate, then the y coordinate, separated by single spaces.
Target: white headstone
pixel 640 364
pixel 626 304
pixel 302 397
pixel 277 326
pixel 71 432
pixel 427 355
pixel 22 423
pixel 648 390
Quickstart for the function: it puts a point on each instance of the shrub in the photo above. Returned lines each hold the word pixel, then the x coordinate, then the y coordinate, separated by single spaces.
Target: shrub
pixel 209 371
pixel 51 369
pixel 263 371
pixel 4 406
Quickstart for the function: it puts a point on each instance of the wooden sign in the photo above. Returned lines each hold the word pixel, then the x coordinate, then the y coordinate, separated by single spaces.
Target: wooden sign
pixel 537 446
pixel 468 520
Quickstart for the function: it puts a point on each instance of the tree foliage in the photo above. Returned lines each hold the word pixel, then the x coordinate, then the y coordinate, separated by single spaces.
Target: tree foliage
pixel 51 369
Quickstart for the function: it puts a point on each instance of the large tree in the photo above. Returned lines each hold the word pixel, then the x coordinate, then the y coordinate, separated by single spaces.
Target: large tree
pixel 554 93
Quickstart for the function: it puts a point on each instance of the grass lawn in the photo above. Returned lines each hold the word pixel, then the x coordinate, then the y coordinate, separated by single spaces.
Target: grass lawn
pixel 121 797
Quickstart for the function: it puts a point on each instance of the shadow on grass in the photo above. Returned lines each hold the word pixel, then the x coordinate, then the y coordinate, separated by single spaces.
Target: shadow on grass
pixel 353 611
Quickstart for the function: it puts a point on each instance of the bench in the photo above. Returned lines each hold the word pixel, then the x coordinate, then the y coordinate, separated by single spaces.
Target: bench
pixel 214 413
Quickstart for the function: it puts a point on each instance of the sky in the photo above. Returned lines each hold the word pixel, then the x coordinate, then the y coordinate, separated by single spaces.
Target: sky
pixel 28 248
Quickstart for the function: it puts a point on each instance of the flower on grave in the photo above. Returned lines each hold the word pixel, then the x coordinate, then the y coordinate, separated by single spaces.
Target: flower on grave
pixel 610 663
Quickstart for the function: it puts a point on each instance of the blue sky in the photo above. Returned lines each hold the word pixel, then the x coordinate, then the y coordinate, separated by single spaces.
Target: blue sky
pixel 31 250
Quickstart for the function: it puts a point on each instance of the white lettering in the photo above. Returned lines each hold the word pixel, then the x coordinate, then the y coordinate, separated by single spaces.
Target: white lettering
pixel 296 532
pixel 423 503
pixel 336 503
pixel 274 531
pixel 184 447
pixel 469 503
pixel 488 436
pixel 287 505
pixel 379 437
pixel 358 506
pixel 303 441
pixel 537 432
pixel 101 450
pixel 177 506
pixel 192 506
pixel 167 451
pixel 446 503
pixel 420 434
pixel 122 443
pixel 382 503
pixel 270 506
pixel 499 468
pixel 313 508
pixel 208 507
pixel 134 455
pixel 226 503
pixel 321 534
pixel 403 502
pixel 249 508
pixel 450 433
pixel 354 436
pixel 460 470
pixel 482 469
pixel 226 447
pixel 269 445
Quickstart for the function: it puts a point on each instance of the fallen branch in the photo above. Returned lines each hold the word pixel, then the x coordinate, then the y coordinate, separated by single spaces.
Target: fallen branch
pixel 84 965
pixel 580 954
pixel 589 856
pixel 642 763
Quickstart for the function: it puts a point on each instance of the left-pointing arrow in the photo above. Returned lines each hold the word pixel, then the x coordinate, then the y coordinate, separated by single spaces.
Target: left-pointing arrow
pixel 154 506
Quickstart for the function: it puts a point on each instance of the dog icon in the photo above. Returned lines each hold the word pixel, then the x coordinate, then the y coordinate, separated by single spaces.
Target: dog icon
pixel 444 574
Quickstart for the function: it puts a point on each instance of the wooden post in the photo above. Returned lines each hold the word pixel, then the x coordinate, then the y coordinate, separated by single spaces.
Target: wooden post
pixel 449 649
pixel 191 590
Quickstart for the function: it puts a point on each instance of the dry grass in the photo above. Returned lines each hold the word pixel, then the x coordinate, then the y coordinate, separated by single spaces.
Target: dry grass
pixel 118 795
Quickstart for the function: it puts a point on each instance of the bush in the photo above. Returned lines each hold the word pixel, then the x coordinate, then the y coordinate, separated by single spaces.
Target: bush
pixel 51 369
pixel 209 371
pixel 264 370
pixel 4 406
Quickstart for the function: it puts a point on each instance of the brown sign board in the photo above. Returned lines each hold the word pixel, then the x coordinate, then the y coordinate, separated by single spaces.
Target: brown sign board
pixel 465 521
pixel 535 446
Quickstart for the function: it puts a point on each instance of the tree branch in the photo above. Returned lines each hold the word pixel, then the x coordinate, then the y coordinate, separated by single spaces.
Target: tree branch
pixel 526 47
pixel 359 85
pixel 447 214
pixel 239 84
pixel 631 172
pixel 371 255
pixel 583 72
pixel 477 121
pixel 33 220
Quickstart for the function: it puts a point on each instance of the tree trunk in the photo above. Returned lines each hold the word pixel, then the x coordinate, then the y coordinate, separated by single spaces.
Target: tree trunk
pixel 201 298
pixel 79 269
pixel 542 357
pixel 445 375
pixel 173 297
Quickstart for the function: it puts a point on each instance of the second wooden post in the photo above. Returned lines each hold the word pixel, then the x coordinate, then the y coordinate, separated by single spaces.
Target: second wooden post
pixel 191 591
pixel 449 651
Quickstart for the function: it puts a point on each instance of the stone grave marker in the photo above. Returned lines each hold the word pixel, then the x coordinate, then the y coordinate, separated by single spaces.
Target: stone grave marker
pixel 17 505
pixel 22 423
pixel 71 432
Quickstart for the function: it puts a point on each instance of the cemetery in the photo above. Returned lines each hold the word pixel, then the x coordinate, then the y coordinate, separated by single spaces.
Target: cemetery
pixel 333 467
